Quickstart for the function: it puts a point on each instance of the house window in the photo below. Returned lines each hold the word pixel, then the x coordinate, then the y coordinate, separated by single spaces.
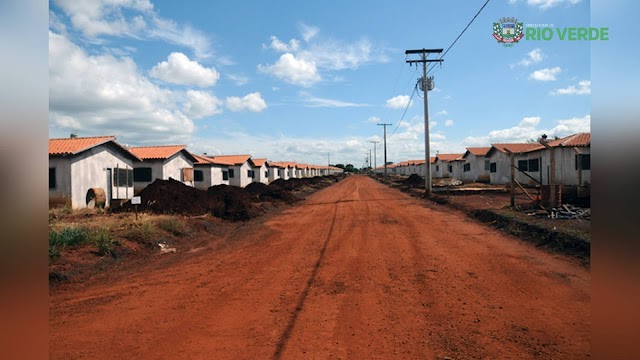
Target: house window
pixel 437 168
pixel 231 174
pixel 266 174
pixel 280 173
pixel 534 165
pixel 583 162
pixel 467 167
pixel 251 174
pixel 123 177
pixel 198 175
pixel 225 175
pixel 142 174
pixel 52 178
pixel 523 165
pixel 187 174
pixel 493 167
pixel 487 165
pixel 450 168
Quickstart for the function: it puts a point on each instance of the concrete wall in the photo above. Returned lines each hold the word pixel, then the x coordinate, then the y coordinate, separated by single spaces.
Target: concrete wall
pixel 240 178
pixel 157 172
pixel 477 168
pixel 274 173
pixel 260 175
pixel 566 172
pixel 61 194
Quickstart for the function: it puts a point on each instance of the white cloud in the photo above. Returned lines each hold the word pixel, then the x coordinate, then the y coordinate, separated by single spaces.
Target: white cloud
pixel 178 69
pixel 238 79
pixel 374 119
pixel 293 70
pixel 583 88
pixel 548 74
pixel 201 104
pixel 534 56
pixel 131 18
pixel 448 123
pixel 312 101
pixel 546 4
pixel 316 54
pixel 102 94
pixel 528 129
pixel 252 102
pixel 308 32
pixel 398 102
pixel 443 112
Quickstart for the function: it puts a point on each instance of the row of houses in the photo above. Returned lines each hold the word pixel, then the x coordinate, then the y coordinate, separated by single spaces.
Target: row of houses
pixel 80 167
pixel 571 156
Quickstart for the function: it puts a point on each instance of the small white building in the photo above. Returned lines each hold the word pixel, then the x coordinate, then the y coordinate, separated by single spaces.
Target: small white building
pixel 476 166
pixel 241 171
pixel 276 170
pixel 208 173
pixel 260 170
pixel 500 162
pixel 81 169
pixel 448 166
pixel 162 162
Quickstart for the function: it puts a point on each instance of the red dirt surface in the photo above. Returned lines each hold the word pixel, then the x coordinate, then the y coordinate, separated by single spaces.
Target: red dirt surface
pixel 357 270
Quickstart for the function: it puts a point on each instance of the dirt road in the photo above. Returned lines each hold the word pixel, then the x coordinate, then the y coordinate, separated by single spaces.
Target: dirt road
pixel 356 271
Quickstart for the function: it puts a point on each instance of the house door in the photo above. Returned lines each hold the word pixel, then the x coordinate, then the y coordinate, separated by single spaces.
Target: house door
pixel 109 187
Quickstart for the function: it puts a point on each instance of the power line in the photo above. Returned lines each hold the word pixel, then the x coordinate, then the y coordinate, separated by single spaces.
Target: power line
pixel 465 29
pixel 415 88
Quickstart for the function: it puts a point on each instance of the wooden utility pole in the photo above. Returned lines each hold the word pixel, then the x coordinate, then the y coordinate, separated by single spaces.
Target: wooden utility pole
pixel 385 148
pixel 425 88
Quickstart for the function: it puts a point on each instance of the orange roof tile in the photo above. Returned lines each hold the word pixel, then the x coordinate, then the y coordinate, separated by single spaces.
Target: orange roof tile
pixel 70 146
pixel 432 159
pixel 580 139
pixel 157 152
pixel 259 162
pixel 202 160
pixel 449 157
pixel 231 159
pixel 517 148
pixel 478 151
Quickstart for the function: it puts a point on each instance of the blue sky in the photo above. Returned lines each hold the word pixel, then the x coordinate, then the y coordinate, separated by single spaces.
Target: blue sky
pixel 297 80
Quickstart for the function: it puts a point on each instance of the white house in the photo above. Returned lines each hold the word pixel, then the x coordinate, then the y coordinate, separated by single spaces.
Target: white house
pixel 276 170
pixel 260 170
pixel 476 166
pixel 500 162
pixel 208 173
pixel 82 169
pixel 448 166
pixel 572 157
pixel 162 162
pixel 241 171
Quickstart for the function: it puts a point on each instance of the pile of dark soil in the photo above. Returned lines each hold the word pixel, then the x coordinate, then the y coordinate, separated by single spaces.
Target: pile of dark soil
pixel 262 192
pixel 413 180
pixel 173 197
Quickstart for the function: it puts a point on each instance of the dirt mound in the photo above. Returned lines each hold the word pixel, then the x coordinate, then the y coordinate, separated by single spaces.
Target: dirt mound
pixel 231 203
pixel 173 197
pixel 261 192
pixel 413 180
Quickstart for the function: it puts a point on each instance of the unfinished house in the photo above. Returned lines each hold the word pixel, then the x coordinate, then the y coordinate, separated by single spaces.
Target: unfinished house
pixel 500 162
pixel 448 166
pixel 207 173
pixel 241 171
pixel 572 158
pixel 276 170
pixel 89 171
pixel 476 166
pixel 162 162
pixel 260 170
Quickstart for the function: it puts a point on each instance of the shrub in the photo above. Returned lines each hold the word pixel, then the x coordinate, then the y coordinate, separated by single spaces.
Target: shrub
pixel 173 226
pixel 143 232
pixel 103 241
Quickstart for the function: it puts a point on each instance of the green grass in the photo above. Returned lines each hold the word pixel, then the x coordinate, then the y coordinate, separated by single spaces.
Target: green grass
pixel 173 226
pixel 103 241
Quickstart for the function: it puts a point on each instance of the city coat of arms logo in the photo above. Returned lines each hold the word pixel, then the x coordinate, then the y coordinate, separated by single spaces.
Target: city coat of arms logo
pixel 508 31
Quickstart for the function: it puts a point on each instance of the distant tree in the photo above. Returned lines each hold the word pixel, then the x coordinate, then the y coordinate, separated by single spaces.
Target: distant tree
pixel 389 162
pixel 341 166
pixel 350 168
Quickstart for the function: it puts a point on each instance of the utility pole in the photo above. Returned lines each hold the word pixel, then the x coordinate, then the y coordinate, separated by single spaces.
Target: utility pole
pixel 328 159
pixel 425 82
pixel 385 148
pixel 375 160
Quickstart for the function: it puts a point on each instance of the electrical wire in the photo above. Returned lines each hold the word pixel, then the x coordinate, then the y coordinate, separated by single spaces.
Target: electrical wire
pixel 415 90
pixel 456 40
